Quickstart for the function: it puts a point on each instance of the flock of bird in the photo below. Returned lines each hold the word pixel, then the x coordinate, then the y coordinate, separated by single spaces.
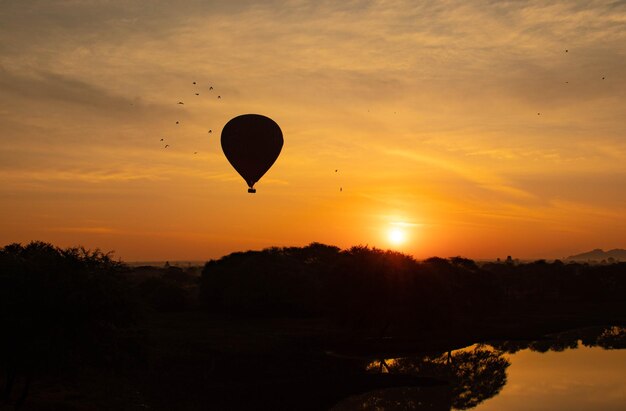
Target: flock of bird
pixel 210 89
pixel 219 97
pixel 182 103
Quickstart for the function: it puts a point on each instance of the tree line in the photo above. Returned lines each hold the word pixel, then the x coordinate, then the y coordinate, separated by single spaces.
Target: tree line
pixel 65 308
pixel 363 285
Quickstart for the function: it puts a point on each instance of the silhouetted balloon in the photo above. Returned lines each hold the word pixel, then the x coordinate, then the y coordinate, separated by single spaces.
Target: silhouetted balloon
pixel 252 143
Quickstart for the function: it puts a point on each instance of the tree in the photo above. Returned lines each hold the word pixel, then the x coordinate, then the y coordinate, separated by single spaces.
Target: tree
pixel 58 308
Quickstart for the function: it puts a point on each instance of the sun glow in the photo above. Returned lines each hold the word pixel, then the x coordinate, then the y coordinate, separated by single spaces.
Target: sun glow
pixel 396 236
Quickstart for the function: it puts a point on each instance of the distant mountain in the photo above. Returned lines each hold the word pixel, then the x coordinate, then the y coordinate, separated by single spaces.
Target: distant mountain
pixel 617 254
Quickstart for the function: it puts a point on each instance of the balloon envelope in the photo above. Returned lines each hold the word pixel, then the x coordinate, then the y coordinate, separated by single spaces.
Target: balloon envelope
pixel 251 143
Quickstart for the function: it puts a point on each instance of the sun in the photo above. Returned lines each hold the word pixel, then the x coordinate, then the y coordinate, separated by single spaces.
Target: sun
pixel 396 236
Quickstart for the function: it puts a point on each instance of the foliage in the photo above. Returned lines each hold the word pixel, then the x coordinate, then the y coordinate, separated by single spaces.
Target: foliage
pixel 474 375
pixel 371 288
pixel 59 308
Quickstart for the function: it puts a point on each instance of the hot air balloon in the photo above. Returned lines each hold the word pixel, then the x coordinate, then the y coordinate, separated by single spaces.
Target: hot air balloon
pixel 251 143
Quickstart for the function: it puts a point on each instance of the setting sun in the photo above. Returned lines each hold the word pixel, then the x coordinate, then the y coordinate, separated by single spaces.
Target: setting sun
pixel 396 236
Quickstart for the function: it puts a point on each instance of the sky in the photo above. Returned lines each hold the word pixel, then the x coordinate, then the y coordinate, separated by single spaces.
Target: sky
pixel 481 128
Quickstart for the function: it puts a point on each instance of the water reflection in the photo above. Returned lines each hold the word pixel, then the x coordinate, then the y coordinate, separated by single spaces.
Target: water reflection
pixel 474 374
pixel 606 337
pixel 403 398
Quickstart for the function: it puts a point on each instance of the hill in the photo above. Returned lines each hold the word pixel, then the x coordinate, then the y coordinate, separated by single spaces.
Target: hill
pixel 617 254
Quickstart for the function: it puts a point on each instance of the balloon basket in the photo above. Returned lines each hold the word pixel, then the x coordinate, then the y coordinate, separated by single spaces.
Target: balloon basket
pixel 252 190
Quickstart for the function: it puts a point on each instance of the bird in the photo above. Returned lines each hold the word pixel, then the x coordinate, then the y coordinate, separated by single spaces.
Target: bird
pixel 167 145
pixel 177 122
pixel 340 189
pixel 210 131
pixel 335 171
pixel 194 82
pixel 566 50
pixel 197 94
pixel 538 114
pixel 180 102
pixel 211 88
pixel 161 139
pixel 602 78
pixel 195 152
pixel 567 82
pixel 219 96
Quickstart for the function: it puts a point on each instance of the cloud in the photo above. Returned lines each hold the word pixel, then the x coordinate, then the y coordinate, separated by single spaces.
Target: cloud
pixel 77 175
pixel 354 53
pixel 396 93
pixel 55 88
pixel 479 176
pixel 109 175
pixel 405 224
pixel 89 230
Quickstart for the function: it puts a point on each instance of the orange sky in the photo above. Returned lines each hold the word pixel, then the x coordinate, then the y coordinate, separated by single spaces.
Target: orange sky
pixel 427 109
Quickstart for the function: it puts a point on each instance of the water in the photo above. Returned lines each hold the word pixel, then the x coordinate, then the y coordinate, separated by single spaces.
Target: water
pixel 586 378
pixel 580 370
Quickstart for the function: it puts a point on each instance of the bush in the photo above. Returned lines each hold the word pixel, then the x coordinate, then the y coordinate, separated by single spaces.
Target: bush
pixel 59 307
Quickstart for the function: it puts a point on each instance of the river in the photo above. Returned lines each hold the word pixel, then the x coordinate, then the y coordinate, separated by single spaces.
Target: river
pixel 580 370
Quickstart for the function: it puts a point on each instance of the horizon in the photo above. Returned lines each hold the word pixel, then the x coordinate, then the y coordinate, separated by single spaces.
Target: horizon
pixel 478 129
pixel 519 258
pixel 180 262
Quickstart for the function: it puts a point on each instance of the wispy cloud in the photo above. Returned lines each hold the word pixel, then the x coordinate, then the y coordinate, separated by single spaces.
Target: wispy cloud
pixel 89 230
pixel 480 177
pixel 57 87
pixel 91 176
pixel 405 224
pixel 443 96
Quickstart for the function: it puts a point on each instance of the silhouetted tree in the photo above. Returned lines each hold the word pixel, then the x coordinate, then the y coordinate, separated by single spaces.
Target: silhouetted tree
pixel 275 281
pixel 164 294
pixel 474 375
pixel 612 338
pixel 59 307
